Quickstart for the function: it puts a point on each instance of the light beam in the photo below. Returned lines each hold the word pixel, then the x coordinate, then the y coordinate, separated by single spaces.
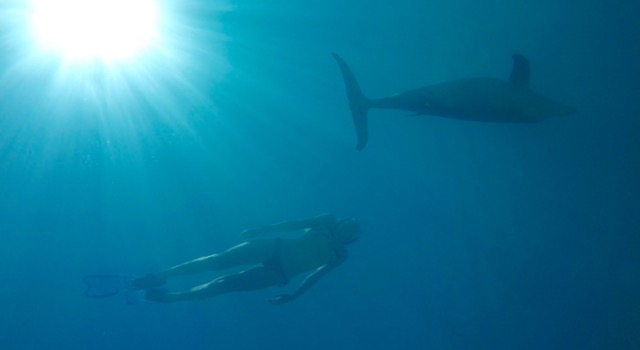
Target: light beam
pixel 94 29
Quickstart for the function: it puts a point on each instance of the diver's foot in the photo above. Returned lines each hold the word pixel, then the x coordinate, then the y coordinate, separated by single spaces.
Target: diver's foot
pixel 147 282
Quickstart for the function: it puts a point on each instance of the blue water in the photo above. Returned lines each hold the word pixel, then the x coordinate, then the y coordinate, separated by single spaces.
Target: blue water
pixel 475 236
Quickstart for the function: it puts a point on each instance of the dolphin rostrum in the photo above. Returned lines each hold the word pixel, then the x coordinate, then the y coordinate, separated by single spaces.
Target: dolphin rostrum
pixel 479 99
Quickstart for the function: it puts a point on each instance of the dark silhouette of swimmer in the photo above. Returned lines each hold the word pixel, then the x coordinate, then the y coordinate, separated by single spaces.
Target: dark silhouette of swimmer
pixel 319 248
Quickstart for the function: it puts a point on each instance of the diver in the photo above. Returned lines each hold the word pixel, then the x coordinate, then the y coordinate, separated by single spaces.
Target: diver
pixel 320 248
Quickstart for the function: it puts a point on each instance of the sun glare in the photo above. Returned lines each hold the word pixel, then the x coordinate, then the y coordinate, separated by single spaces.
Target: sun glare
pixel 94 29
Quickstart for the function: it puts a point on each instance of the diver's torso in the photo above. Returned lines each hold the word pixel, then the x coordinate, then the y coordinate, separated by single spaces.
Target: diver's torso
pixel 308 252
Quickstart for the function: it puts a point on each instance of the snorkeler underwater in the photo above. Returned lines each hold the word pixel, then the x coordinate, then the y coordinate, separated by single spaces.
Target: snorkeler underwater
pixel 164 167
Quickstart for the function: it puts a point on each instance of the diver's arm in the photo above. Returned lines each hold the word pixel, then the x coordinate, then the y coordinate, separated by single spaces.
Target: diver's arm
pixel 293 225
pixel 308 282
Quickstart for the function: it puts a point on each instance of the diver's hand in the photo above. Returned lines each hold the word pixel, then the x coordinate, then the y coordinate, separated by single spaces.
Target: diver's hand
pixel 281 299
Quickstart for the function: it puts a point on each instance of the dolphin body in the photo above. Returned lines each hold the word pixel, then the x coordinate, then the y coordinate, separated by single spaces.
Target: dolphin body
pixel 479 99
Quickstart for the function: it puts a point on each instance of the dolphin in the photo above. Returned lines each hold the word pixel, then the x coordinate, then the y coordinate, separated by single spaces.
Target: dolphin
pixel 478 99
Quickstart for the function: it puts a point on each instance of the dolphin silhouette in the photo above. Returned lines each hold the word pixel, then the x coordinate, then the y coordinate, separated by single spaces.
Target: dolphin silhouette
pixel 479 99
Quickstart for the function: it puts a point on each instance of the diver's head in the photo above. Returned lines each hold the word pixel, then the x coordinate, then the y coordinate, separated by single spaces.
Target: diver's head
pixel 348 230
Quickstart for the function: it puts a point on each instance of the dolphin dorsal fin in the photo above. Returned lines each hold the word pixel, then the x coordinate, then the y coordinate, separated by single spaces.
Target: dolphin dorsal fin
pixel 520 71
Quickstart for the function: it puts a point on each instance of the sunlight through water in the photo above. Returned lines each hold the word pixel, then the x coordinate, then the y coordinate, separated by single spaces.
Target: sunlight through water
pixel 105 29
pixel 122 74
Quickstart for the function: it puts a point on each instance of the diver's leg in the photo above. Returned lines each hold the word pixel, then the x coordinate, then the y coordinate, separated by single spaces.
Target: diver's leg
pixel 248 253
pixel 255 278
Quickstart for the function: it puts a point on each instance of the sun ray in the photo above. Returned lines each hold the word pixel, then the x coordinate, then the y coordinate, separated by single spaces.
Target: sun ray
pixel 104 29
pixel 126 102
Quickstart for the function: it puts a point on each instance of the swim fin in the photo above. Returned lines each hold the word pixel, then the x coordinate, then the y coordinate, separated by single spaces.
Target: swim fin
pixel 149 281
pixel 110 285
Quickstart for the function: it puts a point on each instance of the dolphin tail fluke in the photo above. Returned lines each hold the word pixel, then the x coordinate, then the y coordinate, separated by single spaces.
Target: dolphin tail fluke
pixel 358 103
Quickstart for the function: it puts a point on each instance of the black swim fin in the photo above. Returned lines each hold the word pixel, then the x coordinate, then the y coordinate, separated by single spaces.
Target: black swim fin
pixel 358 103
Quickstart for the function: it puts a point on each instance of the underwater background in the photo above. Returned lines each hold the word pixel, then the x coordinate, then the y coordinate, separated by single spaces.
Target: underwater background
pixel 474 236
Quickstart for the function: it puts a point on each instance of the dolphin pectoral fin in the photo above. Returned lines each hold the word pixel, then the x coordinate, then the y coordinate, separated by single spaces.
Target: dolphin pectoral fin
pixel 520 72
pixel 358 103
